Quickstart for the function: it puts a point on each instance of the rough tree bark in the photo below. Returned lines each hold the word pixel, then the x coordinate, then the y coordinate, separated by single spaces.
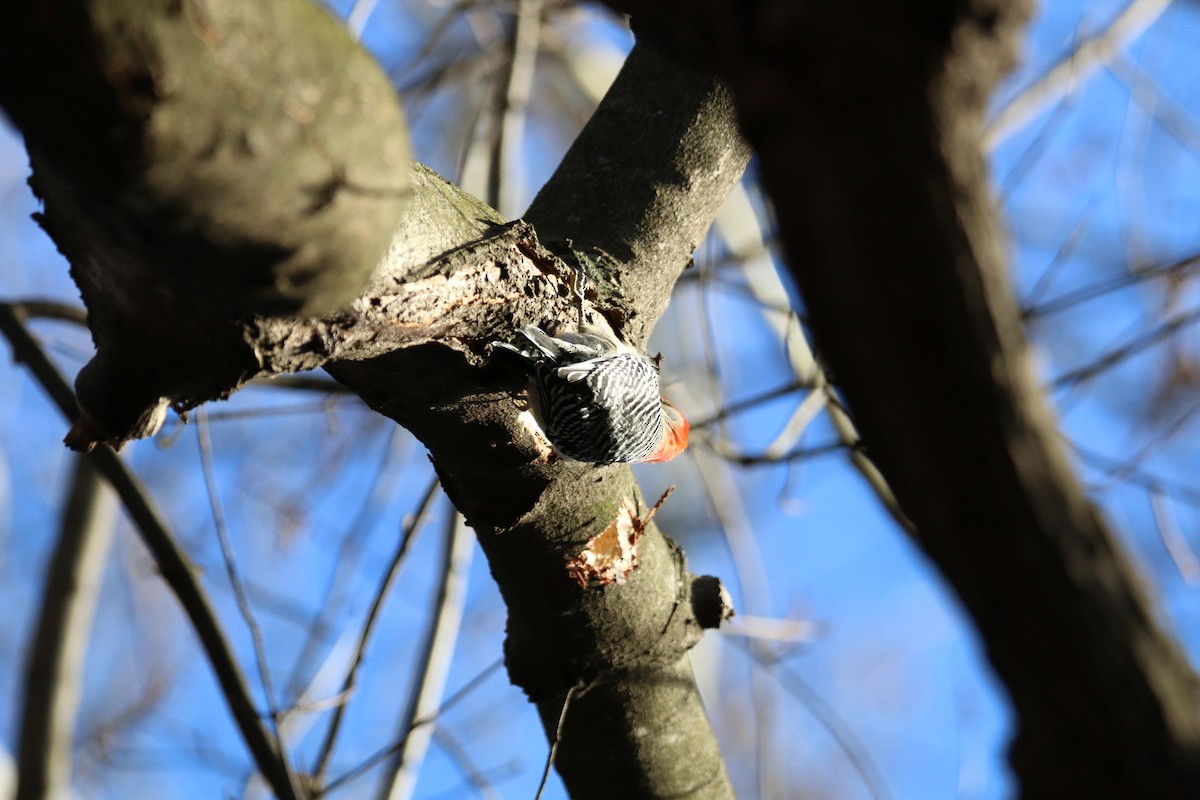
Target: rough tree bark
pixel 634 197
pixel 199 160
pixel 866 117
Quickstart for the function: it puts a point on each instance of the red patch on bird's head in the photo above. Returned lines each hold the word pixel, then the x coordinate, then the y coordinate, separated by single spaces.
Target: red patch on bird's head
pixel 675 437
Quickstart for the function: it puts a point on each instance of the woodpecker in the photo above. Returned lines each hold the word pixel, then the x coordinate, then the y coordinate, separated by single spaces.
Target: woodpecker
pixel 595 398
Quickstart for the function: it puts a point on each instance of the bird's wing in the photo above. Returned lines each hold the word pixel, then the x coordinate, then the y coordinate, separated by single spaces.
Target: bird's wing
pixel 580 370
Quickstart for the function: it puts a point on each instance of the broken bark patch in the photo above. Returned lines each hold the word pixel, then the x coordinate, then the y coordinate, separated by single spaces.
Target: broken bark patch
pixel 612 554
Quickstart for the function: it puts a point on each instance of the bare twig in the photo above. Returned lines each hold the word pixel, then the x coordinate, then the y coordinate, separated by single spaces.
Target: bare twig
pixel 1173 539
pixel 172 563
pixel 235 583
pixel 803 416
pixel 104 737
pixel 1176 270
pixel 37 308
pixel 775 629
pixel 437 655
pixel 348 554
pixel 1033 152
pixel 562 718
pixel 1145 92
pixel 461 758
pixel 322 407
pixel 1070 243
pixel 1076 67
pixel 1129 473
pixel 712 365
pixel 739 226
pixel 829 719
pixel 381 594
pixel 1155 443
pixel 378 756
pixel 433 37
pixel 356 20
pixel 732 455
pixel 54 672
pixel 737 407
pixel 1131 348
pixel 727 504
pixel 514 103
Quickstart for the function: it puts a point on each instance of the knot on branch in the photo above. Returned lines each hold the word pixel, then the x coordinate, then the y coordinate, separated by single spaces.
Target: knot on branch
pixel 711 603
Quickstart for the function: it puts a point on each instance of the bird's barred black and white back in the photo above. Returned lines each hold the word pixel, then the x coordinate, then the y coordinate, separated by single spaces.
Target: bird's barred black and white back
pixel 603 410
pixel 595 398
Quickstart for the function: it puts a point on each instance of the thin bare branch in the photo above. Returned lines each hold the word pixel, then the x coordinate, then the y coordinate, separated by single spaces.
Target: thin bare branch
pixel 322 407
pixel 364 636
pixel 737 407
pixel 381 754
pixel 1128 473
pixel 356 20
pixel 1074 69
pixel 775 629
pixel 349 551
pixel 828 718
pixel 1154 444
pixel 1112 358
pixel 461 758
pixel 731 454
pixel 1176 270
pixel 221 527
pixel 802 416
pixel 1029 306
pixel 516 90
pixel 54 672
pixel 1146 92
pixel 172 563
pixel 1173 538
pixel 712 364
pixel 562 718
pixel 37 308
pixel 743 234
pixel 754 584
pixel 1039 145
pixel 436 657
pixel 433 38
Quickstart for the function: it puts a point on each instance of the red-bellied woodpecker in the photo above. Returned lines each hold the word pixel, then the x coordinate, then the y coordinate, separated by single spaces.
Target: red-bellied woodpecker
pixel 597 399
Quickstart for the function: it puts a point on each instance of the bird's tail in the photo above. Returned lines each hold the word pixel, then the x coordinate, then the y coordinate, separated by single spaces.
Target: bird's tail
pixel 534 346
pixel 542 343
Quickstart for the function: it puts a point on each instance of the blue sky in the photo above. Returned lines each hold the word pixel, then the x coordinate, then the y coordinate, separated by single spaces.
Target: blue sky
pixel 316 492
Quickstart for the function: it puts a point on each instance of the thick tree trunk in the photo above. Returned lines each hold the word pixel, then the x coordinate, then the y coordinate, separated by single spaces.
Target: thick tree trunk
pixel 867 119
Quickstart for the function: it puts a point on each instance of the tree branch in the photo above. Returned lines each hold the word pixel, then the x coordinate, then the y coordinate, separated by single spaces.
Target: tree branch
pixel 54 674
pixel 360 650
pixel 1074 70
pixel 199 161
pixel 172 563
pixel 437 654
pixel 637 210
pixel 868 121
pixel 642 723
